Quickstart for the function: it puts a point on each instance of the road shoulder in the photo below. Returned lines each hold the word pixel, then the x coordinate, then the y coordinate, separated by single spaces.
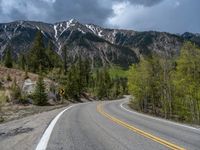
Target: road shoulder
pixel 25 133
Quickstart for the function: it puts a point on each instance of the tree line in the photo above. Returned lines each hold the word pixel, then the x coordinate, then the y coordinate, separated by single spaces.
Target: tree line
pixel 80 79
pixel 168 87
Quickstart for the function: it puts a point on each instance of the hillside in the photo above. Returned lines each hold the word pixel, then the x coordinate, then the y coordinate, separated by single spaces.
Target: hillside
pixel 11 108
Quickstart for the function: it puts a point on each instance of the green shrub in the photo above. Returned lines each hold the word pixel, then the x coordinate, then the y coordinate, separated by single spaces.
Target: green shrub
pixel 8 78
pixel 40 96
pixel 24 99
pixel 2 100
pixel 26 75
pixel 16 92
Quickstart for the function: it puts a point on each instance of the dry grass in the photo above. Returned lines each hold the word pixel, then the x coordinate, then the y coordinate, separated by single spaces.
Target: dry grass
pixel 15 74
pixel 2 97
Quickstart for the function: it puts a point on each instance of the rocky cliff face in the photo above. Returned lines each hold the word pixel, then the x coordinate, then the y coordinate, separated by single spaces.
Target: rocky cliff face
pixel 121 47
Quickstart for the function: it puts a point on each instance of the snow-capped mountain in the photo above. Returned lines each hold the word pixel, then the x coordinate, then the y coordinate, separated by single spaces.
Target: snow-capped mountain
pixel 122 47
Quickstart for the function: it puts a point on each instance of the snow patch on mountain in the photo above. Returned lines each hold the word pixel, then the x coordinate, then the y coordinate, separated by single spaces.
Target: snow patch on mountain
pixel 100 33
pixel 55 32
pixel 113 36
pixel 81 31
pixel 91 27
pixel 7 34
pixel 59 48
pixel 114 33
pixel 16 28
pixel 20 23
pixel 41 31
pixel 61 27
pixel 72 22
pixel 95 30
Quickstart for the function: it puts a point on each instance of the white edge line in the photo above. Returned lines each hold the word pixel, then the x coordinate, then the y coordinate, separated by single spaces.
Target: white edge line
pixel 158 119
pixel 42 145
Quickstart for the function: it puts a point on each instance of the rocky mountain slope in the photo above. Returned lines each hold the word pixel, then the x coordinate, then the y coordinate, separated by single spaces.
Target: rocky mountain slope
pixel 101 45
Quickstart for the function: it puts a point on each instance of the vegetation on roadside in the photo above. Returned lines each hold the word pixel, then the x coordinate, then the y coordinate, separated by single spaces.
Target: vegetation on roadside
pixel 166 87
pixel 2 101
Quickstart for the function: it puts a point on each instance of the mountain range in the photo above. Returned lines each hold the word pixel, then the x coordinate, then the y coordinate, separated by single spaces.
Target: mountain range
pixel 101 45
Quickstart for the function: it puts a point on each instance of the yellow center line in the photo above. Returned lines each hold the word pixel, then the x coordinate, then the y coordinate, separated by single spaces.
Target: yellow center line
pixel 138 131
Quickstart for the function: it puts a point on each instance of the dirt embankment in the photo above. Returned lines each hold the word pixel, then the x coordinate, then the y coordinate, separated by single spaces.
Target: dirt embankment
pixel 9 109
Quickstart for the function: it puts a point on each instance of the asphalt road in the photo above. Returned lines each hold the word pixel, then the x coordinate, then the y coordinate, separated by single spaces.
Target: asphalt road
pixel 113 126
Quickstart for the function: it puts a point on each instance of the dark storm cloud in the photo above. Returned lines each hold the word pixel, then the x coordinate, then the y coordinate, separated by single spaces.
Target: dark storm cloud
pixel 17 15
pixel 93 11
pixel 24 9
pixel 163 15
pixel 83 10
pixel 54 10
pixel 90 11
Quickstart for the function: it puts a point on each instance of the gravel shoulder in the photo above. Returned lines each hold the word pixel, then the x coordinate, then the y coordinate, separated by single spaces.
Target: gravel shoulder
pixel 11 112
pixel 25 133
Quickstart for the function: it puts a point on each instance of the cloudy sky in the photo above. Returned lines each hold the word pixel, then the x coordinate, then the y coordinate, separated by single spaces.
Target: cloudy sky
pixel 176 16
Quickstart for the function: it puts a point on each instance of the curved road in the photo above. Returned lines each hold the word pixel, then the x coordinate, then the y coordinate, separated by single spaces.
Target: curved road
pixel 112 126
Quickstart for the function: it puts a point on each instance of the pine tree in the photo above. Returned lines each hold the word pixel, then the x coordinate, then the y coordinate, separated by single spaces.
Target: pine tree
pixel 84 73
pixel 22 61
pixel 78 76
pixel 72 86
pixel 38 58
pixel 8 58
pixel 87 71
pixel 64 51
pixel 103 85
pixel 53 58
pixel 50 55
pixel 40 96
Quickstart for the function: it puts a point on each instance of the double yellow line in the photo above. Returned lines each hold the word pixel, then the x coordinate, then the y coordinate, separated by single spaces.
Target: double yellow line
pixel 138 131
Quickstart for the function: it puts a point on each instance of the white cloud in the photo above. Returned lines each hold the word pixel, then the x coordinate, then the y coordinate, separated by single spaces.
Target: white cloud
pixel 127 15
pixel 169 15
pixel 177 3
pixel 50 1
pixel 120 8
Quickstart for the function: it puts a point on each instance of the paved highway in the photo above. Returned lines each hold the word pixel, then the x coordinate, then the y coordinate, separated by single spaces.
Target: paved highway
pixel 113 126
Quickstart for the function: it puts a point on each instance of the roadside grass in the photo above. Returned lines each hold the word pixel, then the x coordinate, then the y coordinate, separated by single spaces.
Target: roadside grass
pixel 2 97
pixel 2 102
